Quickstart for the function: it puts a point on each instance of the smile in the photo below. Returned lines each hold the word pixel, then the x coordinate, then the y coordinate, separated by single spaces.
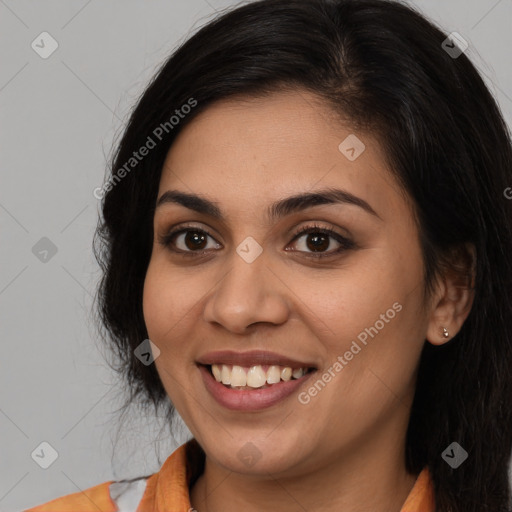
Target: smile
pixel 256 376
pixel 247 398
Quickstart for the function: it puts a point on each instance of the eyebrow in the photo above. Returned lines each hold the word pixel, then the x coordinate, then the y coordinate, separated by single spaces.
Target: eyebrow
pixel 276 210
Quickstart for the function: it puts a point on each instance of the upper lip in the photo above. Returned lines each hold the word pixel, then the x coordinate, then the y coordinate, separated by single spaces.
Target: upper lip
pixel 253 357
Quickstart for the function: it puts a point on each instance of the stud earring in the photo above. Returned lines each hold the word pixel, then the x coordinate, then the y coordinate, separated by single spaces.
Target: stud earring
pixel 446 334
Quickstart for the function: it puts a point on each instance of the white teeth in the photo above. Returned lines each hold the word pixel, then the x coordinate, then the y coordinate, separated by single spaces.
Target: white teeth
pixel 255 376
pixel 216 372
pixel 273 374
pixel 239 377
pixel 286 373
pixel 225 375
pixel 297 373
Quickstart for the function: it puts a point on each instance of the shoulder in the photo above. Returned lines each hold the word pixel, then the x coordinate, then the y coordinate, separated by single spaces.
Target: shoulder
pixel 111 496
pixel 171 482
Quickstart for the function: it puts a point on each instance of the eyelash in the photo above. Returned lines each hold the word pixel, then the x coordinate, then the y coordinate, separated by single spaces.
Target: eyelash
pixel 346 244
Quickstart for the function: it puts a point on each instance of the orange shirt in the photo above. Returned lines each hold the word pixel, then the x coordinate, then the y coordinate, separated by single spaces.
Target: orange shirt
pixel 168 490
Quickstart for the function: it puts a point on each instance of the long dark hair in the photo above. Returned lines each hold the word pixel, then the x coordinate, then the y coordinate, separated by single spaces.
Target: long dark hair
pixel 381 66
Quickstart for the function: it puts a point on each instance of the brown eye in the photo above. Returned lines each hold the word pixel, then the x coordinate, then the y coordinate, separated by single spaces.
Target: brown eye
pixel 318 240
pixel 187 240
pixel 192 241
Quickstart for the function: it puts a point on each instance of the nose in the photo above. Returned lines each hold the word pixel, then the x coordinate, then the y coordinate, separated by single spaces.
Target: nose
pixel 248 293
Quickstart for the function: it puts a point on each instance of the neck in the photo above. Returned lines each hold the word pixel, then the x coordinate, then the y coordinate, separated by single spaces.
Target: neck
pixel 371 476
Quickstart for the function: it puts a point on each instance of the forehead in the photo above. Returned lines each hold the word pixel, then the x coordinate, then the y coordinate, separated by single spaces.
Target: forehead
pixel 243 150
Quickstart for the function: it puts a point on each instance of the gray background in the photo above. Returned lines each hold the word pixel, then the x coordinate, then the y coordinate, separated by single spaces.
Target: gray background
pixel 59 117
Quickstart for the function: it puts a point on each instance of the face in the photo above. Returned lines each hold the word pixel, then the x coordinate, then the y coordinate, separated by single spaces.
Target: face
pixel 349 303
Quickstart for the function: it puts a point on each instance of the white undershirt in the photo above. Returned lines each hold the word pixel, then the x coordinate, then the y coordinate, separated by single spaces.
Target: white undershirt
pixel 127 495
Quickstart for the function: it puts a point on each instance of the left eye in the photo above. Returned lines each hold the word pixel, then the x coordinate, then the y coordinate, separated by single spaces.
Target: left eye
pixel 317 240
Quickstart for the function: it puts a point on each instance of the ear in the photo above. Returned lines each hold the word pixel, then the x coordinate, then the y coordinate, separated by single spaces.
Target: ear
pixel 454 296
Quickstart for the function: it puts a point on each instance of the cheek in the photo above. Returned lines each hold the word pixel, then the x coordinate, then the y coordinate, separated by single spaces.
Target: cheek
pixel 371 317
pixel 371 350
pixel 165 309
pixel 348 301
pixel 171 308
pixel 153 300
pixel 167 297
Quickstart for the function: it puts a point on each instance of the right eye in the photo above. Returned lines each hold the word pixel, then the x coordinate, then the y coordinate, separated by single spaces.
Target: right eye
pixel 192 240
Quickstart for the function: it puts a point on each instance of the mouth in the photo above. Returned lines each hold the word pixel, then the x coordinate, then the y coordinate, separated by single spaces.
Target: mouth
pixel 256 376
pixel 259 394
pixel 253 380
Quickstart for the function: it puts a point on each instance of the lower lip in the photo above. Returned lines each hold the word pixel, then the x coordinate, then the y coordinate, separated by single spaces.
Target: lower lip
pixel 250 400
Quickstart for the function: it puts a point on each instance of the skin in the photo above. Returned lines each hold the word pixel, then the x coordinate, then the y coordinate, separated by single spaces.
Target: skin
pixel 344 450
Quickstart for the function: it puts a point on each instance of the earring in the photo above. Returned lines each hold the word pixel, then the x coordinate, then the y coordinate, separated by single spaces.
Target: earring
pixel 446 334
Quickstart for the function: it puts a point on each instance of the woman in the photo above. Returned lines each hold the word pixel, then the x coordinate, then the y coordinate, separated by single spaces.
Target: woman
pixel 306 243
